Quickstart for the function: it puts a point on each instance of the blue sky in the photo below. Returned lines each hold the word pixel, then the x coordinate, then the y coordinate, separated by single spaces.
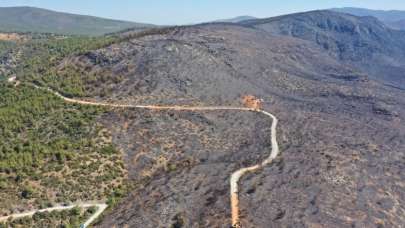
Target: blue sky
pixel 192 11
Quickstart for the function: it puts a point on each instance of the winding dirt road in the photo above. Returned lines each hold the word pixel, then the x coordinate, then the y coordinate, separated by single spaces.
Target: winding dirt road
pixel 235 177
pixel 100 208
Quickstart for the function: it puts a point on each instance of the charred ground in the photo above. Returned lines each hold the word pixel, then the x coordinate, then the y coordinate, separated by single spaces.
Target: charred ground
pixel 341 129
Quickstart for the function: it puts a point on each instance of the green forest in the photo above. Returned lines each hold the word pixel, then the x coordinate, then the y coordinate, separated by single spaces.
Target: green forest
pixel 53 152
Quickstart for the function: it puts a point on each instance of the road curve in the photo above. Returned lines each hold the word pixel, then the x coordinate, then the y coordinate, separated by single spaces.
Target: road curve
pixel 235 177
pixel 100 208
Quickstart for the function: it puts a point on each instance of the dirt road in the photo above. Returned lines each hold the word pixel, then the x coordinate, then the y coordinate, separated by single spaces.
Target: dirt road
pixel 235 177
pixel 100 208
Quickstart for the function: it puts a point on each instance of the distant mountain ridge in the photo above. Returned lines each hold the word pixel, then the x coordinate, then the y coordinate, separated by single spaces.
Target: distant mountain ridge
pixel 31 19
pixel 363 42
pixel 236 19
pixel 393 18
pixel 398 24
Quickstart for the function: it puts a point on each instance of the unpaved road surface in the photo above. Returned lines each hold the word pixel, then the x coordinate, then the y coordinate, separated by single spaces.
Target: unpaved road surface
pixel 239 173
pixel 100 208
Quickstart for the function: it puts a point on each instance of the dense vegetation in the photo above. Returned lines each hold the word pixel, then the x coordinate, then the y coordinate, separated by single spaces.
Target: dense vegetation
pixel 41 57
pixel 61 219
pixel 52 151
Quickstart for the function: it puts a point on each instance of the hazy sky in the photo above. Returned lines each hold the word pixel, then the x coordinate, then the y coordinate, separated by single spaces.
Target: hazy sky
pixel 192 11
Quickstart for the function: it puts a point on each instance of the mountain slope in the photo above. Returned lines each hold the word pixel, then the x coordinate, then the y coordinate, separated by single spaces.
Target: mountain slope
pixel 393 18
pixel 341 132
pixel 363 42
pixel 397 24
pixel 29 19
pixel 337 128
pixel 383 15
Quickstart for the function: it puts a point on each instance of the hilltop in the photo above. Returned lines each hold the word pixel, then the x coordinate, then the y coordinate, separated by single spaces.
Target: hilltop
pixel 30 19
pixel 236 19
